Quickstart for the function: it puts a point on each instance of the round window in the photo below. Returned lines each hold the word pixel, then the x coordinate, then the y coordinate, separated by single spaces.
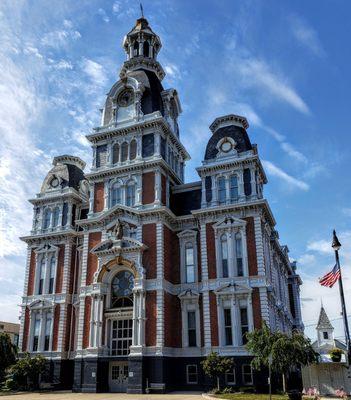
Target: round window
pixel 226 146
pixel 54 182
pixel 125 98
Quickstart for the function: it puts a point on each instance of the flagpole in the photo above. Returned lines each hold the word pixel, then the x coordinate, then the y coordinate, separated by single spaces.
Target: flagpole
pixel 336 246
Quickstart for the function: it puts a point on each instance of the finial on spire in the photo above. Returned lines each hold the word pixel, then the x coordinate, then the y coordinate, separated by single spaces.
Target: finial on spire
pixel 142 10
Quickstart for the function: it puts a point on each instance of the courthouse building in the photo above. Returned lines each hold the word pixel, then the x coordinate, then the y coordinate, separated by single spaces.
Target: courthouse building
pixel 133 276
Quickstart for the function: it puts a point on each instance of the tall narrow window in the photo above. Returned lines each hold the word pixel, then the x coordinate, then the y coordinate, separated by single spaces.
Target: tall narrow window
pixel 130 198
pixel 224 256
pixel 244 325
pixel 146 48
pixel 191 328
pixel 221 190
pixel 234 192
pixel 191 374
pixel 48 322
pixel 115 153
pixel 41 276
pixel 133 149
pixel 55 216
pixel 36 332
pixel 239 254
pixel 228 326
pixel 124 151
pixel 189 263
pixel 247 374
pixel 47 218
pixel 52 274
pixel 247 182
pixel 116 194
pixel 136 48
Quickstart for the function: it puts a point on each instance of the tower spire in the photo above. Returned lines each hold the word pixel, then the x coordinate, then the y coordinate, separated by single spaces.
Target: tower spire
pixel 141 10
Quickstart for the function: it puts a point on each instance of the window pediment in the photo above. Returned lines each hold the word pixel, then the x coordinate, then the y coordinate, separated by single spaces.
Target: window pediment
pixel 229 222
pixel 41 304
pixel 46 248
pixel 233 288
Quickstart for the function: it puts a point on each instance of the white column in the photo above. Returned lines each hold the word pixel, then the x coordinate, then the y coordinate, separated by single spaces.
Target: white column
pixel 160 293
pixel 99 320
pixel 139 146
pixel 250 313
pixel 106 193
pixel 241 185
pixel 231 254
pixel 227 190
pixel 157 144
pixel 220 322
pixel 253 183
pixel 141 319
pixel 157 187
pixel 41 331
pixel 69 215
pixel 244 250
pixel 135 319
pixel 91 198
pixel 60 223
pixel 203 192
pixel 236 323
pixel 205 293
pixel 62 327
pixel 94 156
pixel 92 322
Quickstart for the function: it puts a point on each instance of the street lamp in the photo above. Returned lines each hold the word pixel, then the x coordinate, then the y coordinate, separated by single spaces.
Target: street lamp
pixel 336 245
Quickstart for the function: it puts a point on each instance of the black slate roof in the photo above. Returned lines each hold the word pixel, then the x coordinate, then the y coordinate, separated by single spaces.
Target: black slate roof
pixel 237 133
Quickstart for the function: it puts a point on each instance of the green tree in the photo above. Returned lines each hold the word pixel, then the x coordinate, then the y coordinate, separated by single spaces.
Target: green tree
pixel 215 366
pixel 26 372
pixel 8 353
pixel 287 352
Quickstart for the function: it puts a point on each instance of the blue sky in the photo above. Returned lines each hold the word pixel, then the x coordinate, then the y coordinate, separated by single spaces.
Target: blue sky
pixel 284 65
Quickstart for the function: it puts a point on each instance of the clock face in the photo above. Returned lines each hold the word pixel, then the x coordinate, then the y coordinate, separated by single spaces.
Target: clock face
pixel 123 284
pixel 226 146
pixel 54 182
pixel 125 99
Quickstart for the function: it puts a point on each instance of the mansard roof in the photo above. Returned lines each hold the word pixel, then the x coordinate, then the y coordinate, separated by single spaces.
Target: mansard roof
pixel 185 198
pixel 323 320
pixel 237 133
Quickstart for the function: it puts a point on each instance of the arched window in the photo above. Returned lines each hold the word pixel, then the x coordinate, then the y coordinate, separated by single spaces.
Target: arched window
pixel 55 217
pixel 136 48
pixel 234 193
pixel 41 276
pixel 239 254
pixel 221 190
pixel 52 274
pixel 146 48
pixel 47 218
pixel 116 194
pixel 115 153
pixel 130 195
pixel 224 255
pixel 189 263
pixel 133 149
pixel 124 151
pixel 122 290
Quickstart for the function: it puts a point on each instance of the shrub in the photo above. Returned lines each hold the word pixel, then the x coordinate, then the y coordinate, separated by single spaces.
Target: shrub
pixel 335 354
pixel 25 373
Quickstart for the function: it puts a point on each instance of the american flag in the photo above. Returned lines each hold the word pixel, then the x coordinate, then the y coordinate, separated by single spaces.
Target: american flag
pixel 331 277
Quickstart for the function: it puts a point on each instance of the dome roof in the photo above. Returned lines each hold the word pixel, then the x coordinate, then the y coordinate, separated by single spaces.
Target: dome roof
pixel 66 172
pixel 237 133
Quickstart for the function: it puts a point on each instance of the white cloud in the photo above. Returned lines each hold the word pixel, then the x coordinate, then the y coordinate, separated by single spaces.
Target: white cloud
pixel 116 7
pixel 63 64
pixel 259 73
pixel 103 15
pixel 306 260
pixel 32 50
pixel 61 37
pixel 172 70
pixel 307 36
pixel 320 246
pixel 279 173
pixel 95 71
pixel 292 152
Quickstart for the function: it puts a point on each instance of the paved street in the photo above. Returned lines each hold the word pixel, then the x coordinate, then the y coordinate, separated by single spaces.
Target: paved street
pixel 102 396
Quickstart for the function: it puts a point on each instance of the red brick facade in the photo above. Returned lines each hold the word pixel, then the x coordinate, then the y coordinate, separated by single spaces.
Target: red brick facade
pixel 173 321
pixel 99 196
pixel 31 276
pixel 26 330
pixel 55 336
pixel 211 252
pixel 149 256
pixel 151 317
pixel 213 319
pixel 86 327
pixel 171 256
pixel 148 187
pixel 251 246
pixel 60 268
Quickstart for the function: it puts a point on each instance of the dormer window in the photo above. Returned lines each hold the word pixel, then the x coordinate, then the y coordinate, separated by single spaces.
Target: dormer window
pixel 146 48
pixel 55 216
pixel 325 336
pixel 234 188
pixel 47 218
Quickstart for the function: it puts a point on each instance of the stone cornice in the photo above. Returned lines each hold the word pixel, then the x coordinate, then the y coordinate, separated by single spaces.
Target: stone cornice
pixel 157 122
pixel 59 236
pixel 48 197
pixel 136 166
